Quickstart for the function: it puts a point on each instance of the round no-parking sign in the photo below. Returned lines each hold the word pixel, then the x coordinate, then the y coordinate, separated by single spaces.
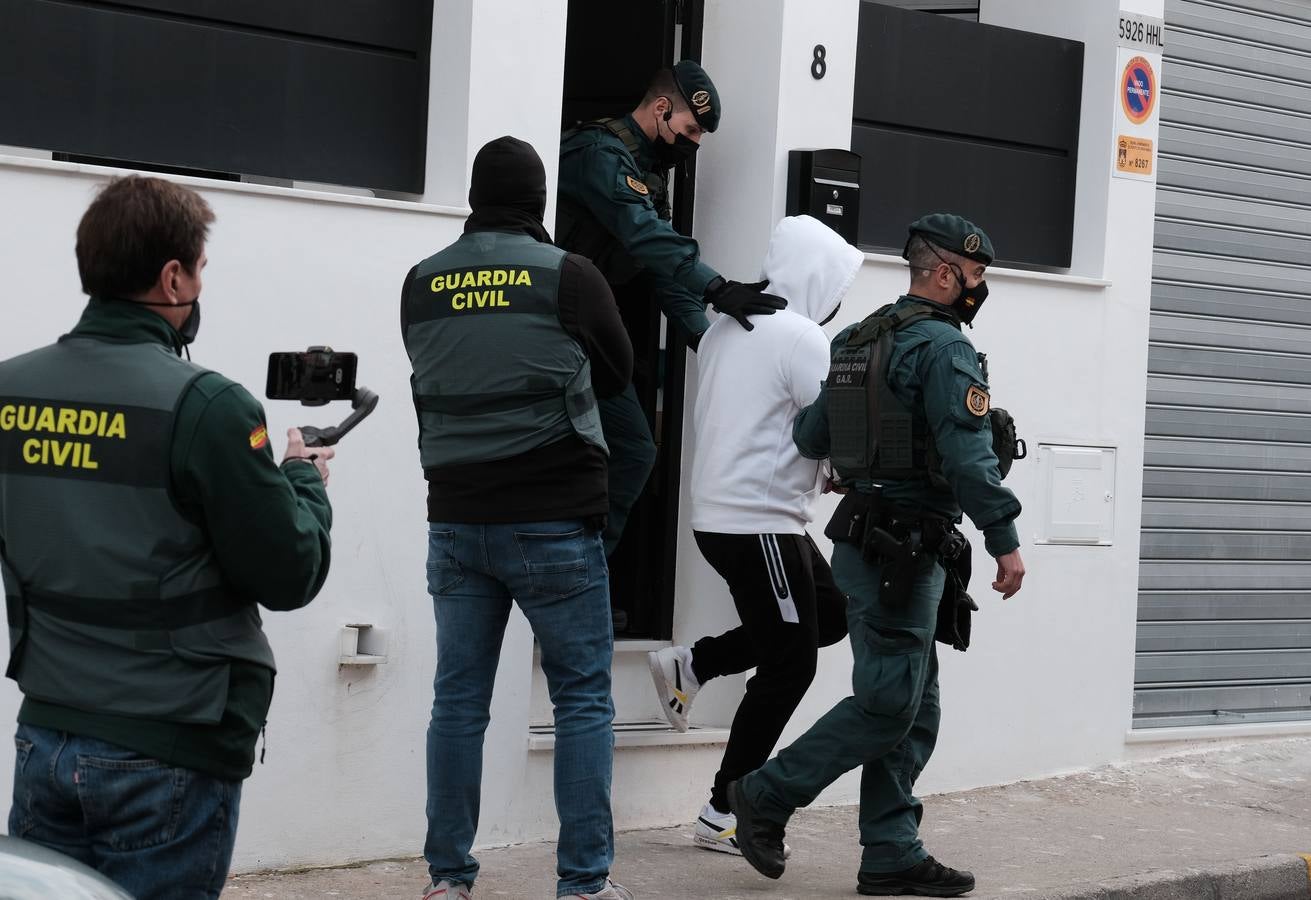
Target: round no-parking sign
pixel 1138 90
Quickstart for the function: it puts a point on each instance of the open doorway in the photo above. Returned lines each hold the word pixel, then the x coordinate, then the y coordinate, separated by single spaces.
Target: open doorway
pixel 611 52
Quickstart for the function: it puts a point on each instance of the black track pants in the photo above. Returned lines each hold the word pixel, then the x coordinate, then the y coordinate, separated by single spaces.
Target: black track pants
pixel 790 607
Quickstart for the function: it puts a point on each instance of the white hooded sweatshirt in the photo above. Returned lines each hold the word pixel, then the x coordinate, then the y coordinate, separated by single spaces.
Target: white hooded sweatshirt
pixel 747 475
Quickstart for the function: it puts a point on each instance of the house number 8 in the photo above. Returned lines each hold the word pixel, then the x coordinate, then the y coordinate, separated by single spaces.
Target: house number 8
pixel 818 67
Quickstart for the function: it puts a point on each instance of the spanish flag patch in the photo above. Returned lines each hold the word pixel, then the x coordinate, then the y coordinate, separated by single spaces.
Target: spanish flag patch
pixel 259 437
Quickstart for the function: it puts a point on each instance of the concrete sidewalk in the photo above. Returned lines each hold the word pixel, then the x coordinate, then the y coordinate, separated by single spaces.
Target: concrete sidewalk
pixel 1224 823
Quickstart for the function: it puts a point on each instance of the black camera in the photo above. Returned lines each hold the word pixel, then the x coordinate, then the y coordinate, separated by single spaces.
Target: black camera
pixel 316 377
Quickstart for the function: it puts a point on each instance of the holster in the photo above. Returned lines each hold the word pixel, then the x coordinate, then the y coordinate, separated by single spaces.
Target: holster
pixel 888 537
pixel 956 606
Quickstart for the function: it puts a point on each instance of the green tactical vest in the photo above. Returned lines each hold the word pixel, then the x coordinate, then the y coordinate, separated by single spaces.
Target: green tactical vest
pixel 495 373
pixel 872 435
pixel 116 603
pixel 578 231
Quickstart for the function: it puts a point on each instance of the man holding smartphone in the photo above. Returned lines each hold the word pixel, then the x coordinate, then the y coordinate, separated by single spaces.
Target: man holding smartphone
pixel 143 520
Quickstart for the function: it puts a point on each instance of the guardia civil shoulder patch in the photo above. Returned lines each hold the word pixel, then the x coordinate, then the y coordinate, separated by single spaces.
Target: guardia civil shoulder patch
pixel 637 185
pixel 259 437
pixel 976 401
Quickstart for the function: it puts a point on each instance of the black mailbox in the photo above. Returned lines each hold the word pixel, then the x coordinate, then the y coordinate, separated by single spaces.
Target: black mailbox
pixel 826 184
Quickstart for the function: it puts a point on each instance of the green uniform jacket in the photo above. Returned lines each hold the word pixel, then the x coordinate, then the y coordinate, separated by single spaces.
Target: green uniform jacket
pixel 600 179
pixel 932 369
pixel 270 533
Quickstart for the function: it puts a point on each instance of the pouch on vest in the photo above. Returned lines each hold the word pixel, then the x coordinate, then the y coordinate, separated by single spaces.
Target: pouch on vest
pixel 1005 442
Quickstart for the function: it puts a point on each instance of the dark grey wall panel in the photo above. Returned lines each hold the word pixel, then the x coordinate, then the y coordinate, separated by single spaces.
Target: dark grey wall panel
pixel 1225 580
pixel 928 145
pixel 1163 606
pixel 301 90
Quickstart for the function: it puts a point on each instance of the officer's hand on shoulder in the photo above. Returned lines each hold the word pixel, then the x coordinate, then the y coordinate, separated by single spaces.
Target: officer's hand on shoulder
pixel 733 298
pixel 317 456
pixel 1010 573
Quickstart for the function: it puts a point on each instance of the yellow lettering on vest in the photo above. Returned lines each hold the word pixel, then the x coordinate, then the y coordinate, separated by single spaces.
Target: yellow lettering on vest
pixel 7 416
pixel 500 299
pixel 469 280
pixel 522 279
pixel 26 422
pixel 484 278
pixel 46 421
pixel 117 426
pixel 88 421
pixel 31 451
pixel 82 457
pixel 500 277
pixel 458 301
pixel 67 421
pixel 61 451
pixel 438 284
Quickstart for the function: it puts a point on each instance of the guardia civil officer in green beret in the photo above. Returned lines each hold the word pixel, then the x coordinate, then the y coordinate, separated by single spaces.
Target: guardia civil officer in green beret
pixel 613 208
pixel 906 418
pixel 143 522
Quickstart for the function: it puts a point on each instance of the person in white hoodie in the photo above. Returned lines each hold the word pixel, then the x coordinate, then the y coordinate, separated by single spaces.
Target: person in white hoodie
pixel 752 494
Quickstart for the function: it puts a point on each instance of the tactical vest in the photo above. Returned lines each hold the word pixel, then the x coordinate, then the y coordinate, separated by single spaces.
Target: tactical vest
pixel 872 434
pixel 116 603
pixel 578 231
pixel 495 373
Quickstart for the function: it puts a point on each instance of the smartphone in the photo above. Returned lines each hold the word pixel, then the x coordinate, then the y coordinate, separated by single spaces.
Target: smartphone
pixel 316 376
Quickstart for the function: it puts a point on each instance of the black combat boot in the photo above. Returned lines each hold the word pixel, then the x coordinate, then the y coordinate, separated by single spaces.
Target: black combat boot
pixel 927 879
pixel 760 840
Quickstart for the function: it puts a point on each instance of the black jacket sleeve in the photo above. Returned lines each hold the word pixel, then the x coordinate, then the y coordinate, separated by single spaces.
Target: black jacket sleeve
pixel 588 312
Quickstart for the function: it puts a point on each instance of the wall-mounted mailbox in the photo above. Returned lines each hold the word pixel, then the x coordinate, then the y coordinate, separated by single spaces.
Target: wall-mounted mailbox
pixel 826 184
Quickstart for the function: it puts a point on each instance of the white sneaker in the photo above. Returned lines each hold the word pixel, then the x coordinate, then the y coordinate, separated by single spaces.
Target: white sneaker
pixel 611 891
pixel 448 890
pixel 671 670
pixel 718 831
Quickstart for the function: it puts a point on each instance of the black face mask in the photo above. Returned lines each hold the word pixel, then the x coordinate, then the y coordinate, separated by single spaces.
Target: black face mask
pixel 969 299
pixel 680 151
pixel 191 324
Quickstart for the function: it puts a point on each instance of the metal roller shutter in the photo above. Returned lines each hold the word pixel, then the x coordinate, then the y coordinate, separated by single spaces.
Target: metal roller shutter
pixel 1224 618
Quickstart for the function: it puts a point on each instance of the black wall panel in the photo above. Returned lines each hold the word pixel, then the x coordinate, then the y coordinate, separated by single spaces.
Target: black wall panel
pixel 968 118
pixel 298 89
pixel 604 76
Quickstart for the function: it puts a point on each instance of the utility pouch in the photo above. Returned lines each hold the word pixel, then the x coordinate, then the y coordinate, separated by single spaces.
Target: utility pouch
pixel 848 523
pixel 1006 444
pixel 956 606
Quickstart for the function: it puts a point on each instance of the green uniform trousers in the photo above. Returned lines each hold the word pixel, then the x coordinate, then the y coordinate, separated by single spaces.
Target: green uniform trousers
pixel 632 456
pixel 889 725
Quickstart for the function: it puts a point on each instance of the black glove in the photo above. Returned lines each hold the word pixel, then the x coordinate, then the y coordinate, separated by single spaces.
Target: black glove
pixel 733 298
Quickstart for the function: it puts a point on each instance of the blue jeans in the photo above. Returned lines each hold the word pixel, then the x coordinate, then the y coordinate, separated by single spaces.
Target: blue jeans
pixel 161 832
pixel 556 572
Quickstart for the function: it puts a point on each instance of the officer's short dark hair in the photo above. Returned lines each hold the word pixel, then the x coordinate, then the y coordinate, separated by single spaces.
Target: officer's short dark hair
pixel 920 255
pixel 663 85
pixel 133 228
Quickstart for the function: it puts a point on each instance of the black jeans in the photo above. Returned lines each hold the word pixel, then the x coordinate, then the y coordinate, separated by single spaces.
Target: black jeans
pixel 790 606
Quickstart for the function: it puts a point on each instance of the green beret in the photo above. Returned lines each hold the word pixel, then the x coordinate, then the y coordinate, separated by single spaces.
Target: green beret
pixel 699 92
pixel 951 232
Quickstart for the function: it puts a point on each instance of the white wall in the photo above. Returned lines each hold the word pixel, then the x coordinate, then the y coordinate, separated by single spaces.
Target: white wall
pixel 1047 686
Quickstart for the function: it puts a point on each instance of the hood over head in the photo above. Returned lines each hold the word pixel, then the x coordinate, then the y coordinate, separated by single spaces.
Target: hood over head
pixel 810 266
pixel 508 174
